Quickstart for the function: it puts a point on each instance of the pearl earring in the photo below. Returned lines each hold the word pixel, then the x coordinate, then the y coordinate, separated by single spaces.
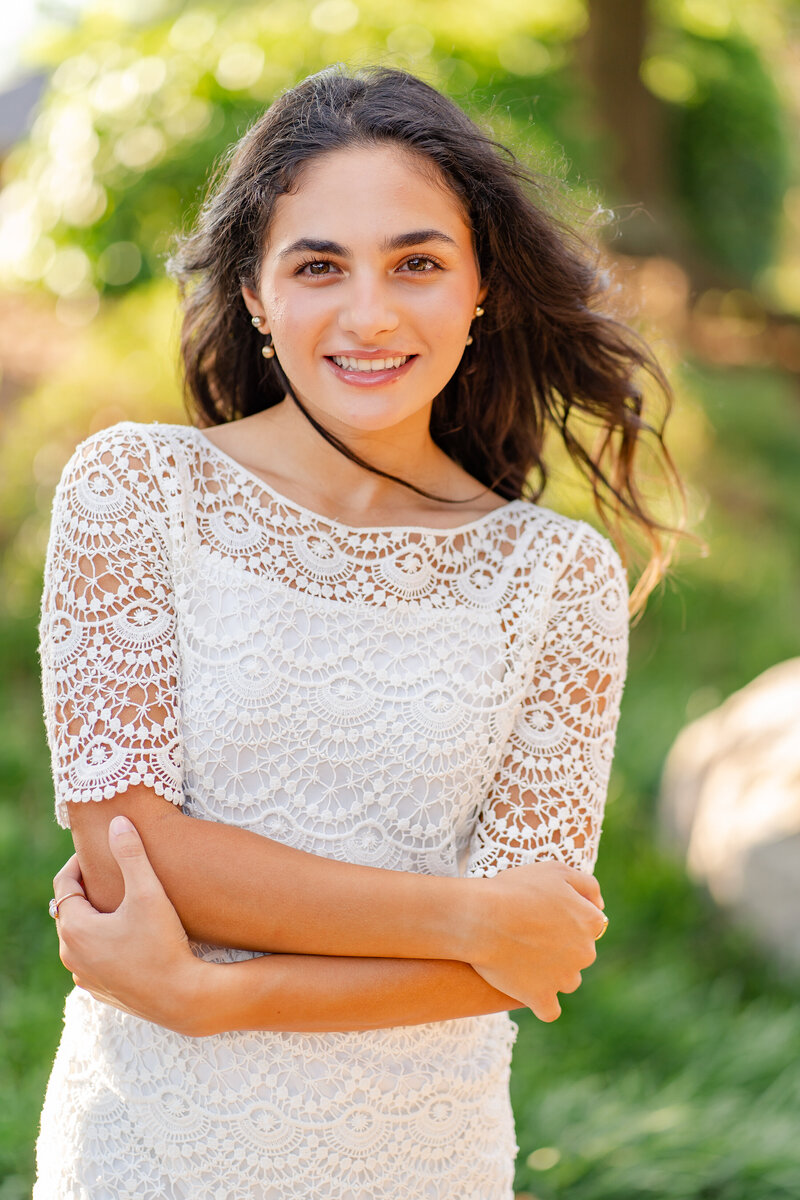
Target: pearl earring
pixel 268 350
pixel 478 313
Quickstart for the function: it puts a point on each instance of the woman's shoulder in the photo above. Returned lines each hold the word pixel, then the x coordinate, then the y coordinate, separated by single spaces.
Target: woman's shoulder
pixel 553 548
pixel 545 531
pixel 133 436
pixel 133 459
pixel 127 446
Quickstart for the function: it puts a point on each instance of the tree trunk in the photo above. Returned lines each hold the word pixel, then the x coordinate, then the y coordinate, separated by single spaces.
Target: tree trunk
pixel 638 176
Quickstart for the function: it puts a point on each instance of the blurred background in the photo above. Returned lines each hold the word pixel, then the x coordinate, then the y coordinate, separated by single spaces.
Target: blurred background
pixel 675 1071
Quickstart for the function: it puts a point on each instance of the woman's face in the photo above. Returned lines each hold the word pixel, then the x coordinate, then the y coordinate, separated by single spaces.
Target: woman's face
pixel 369 260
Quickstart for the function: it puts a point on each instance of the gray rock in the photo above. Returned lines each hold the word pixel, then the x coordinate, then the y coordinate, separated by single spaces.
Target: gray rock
pixel 730 802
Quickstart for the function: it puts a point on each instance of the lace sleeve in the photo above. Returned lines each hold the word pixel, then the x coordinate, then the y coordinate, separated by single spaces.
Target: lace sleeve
pixel 548 796
pixel 107 642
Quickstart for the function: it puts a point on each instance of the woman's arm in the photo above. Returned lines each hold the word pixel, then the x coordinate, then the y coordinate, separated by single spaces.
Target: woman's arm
pixel 547 799
pixel 304 994
pixel 138 959
pixel 234 888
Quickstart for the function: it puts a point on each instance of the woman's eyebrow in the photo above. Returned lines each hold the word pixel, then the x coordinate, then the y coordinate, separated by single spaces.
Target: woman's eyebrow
pixel 400 241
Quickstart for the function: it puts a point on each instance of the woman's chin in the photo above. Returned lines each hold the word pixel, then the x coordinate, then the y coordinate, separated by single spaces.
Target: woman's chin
pixel 367 410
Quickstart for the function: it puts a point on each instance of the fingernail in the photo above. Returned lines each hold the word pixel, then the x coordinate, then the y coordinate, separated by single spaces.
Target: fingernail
pixel 120 825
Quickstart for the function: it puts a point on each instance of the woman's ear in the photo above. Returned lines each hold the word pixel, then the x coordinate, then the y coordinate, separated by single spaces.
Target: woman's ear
pixel 482 294
pixel 254 307
pixel 253 303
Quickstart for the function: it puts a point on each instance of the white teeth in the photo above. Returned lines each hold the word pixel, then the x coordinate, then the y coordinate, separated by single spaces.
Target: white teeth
pixel 368 364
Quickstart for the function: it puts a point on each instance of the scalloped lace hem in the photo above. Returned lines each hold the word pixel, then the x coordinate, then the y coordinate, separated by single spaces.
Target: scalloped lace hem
pixel 72 795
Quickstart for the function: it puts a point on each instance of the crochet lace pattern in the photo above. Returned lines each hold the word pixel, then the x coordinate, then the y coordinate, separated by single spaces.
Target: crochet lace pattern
pixel 434 700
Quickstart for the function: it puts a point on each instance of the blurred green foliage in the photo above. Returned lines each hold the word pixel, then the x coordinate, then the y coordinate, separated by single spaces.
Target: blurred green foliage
pixel 730 153
pixel 673 1072
pixel 135 117
pixel 123 366
pixel 131 125
pixel 729 136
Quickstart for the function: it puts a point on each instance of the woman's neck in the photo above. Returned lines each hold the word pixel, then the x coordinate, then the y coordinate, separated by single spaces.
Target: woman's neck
pixel 282 443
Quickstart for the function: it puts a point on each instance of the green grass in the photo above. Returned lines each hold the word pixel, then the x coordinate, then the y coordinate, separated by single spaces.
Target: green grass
pixel 674 1073
pixel 32 847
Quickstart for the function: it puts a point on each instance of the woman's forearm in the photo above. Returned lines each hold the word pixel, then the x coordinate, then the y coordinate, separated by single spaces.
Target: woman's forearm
pixel 232 887
pixel 308 994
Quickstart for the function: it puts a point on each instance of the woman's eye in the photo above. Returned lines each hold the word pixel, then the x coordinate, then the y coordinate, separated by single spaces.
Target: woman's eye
pixel 317 268
pixel 421 265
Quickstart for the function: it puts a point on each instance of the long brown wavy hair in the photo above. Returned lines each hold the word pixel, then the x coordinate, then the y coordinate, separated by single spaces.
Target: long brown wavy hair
pixel 545 358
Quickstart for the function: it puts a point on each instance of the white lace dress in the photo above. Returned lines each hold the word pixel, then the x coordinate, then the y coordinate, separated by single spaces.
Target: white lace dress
pixel 442 701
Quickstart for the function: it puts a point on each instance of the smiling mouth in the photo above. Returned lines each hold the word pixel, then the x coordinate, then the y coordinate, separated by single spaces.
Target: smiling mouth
pixel 367 365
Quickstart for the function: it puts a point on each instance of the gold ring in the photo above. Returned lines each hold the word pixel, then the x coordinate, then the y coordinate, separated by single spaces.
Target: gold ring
pixel 605 927
pixel 53 906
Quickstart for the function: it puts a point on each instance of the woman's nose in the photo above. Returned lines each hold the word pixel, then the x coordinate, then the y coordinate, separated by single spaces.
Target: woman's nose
pixel 367 310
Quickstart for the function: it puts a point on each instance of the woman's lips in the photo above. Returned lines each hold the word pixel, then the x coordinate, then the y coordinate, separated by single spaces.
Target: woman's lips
pixel 370 378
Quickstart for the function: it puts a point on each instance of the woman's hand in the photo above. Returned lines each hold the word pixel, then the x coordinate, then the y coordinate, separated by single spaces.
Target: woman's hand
pixel 536 930
pixel 137 958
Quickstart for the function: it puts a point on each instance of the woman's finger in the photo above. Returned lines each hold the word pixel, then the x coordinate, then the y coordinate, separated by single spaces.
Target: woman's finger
pixel 69 878
pixel 68 890
pixel 546 1008
pixel 585 884
pixel 572 985
pixel 141 881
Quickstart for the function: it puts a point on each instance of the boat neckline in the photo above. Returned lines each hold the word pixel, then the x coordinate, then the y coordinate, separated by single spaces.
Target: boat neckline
pixel 443 531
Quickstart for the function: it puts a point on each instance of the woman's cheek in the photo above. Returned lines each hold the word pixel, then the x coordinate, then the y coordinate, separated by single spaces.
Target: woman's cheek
pixel 296 341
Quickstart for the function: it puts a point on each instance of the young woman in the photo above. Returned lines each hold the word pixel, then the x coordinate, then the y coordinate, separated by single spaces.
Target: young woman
pixel 378 684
